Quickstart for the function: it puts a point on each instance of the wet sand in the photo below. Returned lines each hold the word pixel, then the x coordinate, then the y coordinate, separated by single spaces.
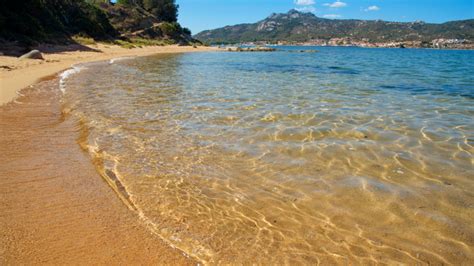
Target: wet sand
pixel 54 207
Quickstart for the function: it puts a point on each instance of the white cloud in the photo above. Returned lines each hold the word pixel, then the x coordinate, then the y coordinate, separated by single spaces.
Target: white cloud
pixel 372 8
pixel 306 9
pixel 337 4
pixel 304 2
pixel 332 16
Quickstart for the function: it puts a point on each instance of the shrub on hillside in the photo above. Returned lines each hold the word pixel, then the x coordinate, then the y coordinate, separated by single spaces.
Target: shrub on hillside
pixel 170 29
pixel 34 20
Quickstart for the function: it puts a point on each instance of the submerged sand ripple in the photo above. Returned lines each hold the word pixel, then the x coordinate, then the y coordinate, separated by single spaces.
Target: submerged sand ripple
pixel 233 164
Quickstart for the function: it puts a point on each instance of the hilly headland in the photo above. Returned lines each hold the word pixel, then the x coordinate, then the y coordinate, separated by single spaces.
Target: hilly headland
pixel 301 28
pixel 128 23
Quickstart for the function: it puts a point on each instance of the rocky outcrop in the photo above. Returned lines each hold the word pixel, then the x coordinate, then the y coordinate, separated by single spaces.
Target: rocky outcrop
pixel 35 54
pixel 251 49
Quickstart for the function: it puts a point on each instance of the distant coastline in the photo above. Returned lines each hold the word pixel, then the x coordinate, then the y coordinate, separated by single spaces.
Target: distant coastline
pixel 435 44
pixel 442 44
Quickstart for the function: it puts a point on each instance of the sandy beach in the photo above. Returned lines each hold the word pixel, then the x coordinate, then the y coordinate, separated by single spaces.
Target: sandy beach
pixel 54 206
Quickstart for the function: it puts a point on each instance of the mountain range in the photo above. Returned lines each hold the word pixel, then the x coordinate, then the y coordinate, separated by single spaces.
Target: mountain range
pixel 301 27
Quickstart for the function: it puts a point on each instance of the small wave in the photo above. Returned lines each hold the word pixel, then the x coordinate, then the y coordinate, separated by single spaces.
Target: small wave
pixel 113 60
pixel 66 74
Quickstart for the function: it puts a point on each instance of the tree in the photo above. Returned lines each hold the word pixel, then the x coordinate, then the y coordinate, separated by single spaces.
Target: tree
pixel 165 10
pixel 187 31
pixel 125 2
pixel 98 2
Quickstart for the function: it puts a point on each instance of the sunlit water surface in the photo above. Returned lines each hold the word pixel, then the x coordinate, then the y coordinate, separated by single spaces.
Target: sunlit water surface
pixel 345 155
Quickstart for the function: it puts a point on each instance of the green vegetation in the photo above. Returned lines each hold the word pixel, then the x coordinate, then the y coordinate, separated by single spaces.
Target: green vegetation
pixel 164 10
pixel 149 42
pixel 129 22
pixel 83 40
pixel 170 29
pixel 28 21
pixel 296 26
pixel 167 10
pixel 124 44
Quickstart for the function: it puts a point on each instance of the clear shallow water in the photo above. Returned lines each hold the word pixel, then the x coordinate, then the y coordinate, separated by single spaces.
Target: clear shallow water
pixel 346 155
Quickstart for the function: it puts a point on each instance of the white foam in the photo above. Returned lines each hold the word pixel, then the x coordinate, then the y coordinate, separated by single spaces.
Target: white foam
pixel 66 74
pixel 113 60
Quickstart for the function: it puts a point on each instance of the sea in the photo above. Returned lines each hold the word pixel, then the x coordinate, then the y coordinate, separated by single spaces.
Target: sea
pixel 305 155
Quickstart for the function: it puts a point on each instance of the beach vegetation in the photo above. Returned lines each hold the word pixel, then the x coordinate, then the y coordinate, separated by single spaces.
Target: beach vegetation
pixel 84 40
pixel 124 44
pixel 148 42
pixel 142 42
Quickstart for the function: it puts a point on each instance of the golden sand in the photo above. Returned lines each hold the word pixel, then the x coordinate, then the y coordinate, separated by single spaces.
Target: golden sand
pixel 54 207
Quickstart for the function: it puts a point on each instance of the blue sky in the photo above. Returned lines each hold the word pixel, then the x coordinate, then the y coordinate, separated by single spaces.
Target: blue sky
pixel 199 15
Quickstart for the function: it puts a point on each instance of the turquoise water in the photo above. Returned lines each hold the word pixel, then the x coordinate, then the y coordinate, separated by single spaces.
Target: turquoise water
pixel 344 155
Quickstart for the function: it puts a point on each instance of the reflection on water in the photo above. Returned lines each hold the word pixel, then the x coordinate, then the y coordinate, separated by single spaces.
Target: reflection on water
pixel 346 155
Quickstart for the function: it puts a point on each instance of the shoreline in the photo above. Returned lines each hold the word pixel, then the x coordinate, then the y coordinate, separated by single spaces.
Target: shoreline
pixel 16 74
pixel 55 207
pixel 353 46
